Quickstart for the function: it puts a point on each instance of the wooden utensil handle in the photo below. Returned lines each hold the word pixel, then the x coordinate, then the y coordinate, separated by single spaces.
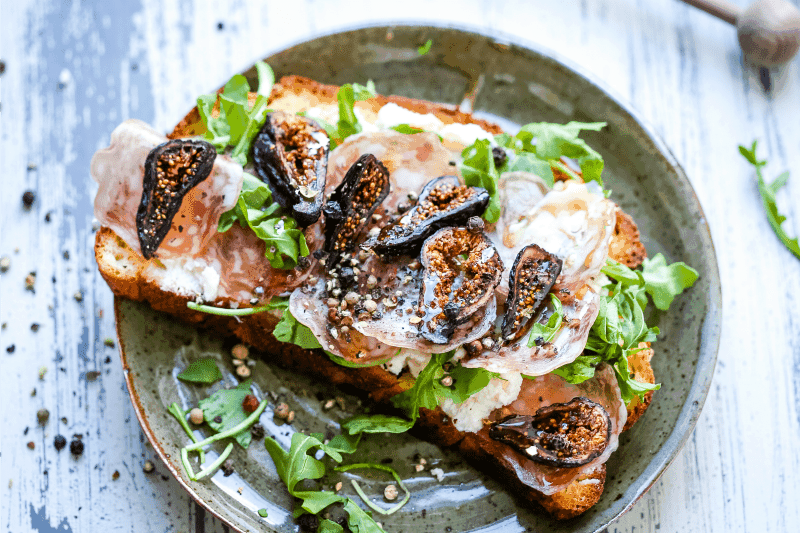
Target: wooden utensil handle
pixel 722 9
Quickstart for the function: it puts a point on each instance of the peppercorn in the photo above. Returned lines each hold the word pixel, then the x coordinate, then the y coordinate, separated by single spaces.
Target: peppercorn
pixel 196 416
pixel 227 468
pixel 257 431
pixel 59 442
pixel 250 403
pixel 43 415
pixel 499 156
pixel 76 446
pixel 240 351
pixel 31 445
pixel 28 198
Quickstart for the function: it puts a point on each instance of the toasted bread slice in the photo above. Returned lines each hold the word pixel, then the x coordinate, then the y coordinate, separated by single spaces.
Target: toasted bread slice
pixel 126 273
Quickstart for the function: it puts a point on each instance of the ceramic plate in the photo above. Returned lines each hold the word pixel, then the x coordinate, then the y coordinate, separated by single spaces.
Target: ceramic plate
pixel 515 84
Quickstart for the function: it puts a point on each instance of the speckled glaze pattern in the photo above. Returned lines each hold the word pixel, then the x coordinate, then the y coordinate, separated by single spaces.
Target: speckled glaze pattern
pixel 514 84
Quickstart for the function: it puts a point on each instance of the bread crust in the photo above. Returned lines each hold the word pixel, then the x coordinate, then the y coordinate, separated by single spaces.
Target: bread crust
pixel 126 274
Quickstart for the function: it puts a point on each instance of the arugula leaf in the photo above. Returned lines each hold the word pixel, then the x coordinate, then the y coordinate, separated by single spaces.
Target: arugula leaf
pixel 227 405
pixel 348 124
pixel 547 332
pixel 291 331
pixel 425 48
pixel 263 513
pixel 768 197
pixel 364 92
pixel 376 424
pixel 297 465
pixel 478 170
pixel 407 129
pixel 663 282
pixel 428 389
pixel 236 123
pixel 580 369
pixel 203 370
pixel 554 141
pixel 284 241
pixel 329 526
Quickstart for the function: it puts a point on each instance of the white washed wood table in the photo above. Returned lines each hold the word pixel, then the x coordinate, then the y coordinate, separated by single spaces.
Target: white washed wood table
pixel 75 70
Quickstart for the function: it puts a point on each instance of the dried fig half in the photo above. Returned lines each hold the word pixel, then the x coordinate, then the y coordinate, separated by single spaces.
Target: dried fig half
pixel 443 202
pixel 533 274
pixel 461 268
pixel 290 155
pixel 351 205
pixel 170 171
pixel 561 434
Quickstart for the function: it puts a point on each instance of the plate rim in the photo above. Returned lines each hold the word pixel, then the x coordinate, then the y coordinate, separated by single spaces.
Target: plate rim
pixel 711 323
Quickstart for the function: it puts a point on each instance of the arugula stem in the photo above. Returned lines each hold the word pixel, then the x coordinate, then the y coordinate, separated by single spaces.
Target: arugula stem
pixel 222 311
pixel 246 423
pixel 565 169
pixel 365 498
pixel 186 465
pixel 176 411
pixel 216 464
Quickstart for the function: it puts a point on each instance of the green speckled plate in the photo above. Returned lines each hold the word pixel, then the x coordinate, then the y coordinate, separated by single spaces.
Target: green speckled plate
pixel 512 84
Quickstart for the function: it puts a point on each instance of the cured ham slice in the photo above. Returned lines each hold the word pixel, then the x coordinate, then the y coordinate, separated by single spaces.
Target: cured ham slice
pixel 119 172
pixel 546 390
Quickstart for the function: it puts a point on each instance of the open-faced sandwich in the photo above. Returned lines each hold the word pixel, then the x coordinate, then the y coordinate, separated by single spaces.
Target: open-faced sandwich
pixel 478 284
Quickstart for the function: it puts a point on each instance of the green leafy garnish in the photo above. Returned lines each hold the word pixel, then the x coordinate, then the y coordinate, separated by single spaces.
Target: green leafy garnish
pixel 291 331
pixel 538 149
pixel 263 513
pixel 365 498
pixel 284 241
pixel 203 370
pixel 547 332
pixel 425 48
pixel 376 424
pixel 223 411
pixel 768 197
pixel 428 389
pixel 478 170
pixel 176 411
pixel 298 464
pixel 620 325
pixel 407 129
pixel 236 124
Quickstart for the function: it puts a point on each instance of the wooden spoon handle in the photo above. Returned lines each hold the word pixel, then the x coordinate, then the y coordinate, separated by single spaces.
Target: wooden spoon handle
pixel 722 9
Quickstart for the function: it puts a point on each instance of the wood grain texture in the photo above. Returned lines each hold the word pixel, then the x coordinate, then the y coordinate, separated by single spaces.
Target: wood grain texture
pixel 74 70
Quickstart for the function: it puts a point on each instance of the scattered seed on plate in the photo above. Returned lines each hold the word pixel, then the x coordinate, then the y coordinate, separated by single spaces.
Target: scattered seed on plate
pixel 59 442
pixel 196 416
pixel 242 371
pixel 115 475
pixel 43 415
pixel 148 466
pixel 240 351
pixel 30 282
pixel 390 492
pixel 31 445
pixel 5 263
pixel 228 469
pixel 109 342
pixel 28 197
pixel 282 410
pixel 290 417
pixel 338 486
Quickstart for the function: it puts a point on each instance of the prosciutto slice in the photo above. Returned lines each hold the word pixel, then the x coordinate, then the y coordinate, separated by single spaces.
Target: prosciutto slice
pixel 550 389
pixel 119 172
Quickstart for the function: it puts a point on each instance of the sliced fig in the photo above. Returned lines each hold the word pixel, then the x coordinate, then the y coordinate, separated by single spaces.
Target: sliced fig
pixel 170 171
pixel 351 205
pixel 461 268
pixel 443 202
pixel 561 434
pixel 290 154
pixel 533 274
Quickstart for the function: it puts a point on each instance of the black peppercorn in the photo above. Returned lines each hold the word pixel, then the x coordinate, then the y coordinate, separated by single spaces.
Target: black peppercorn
pixel 227 468
pixel 499 155
pixel 28 198
pixel 59 442
pixel 76 446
